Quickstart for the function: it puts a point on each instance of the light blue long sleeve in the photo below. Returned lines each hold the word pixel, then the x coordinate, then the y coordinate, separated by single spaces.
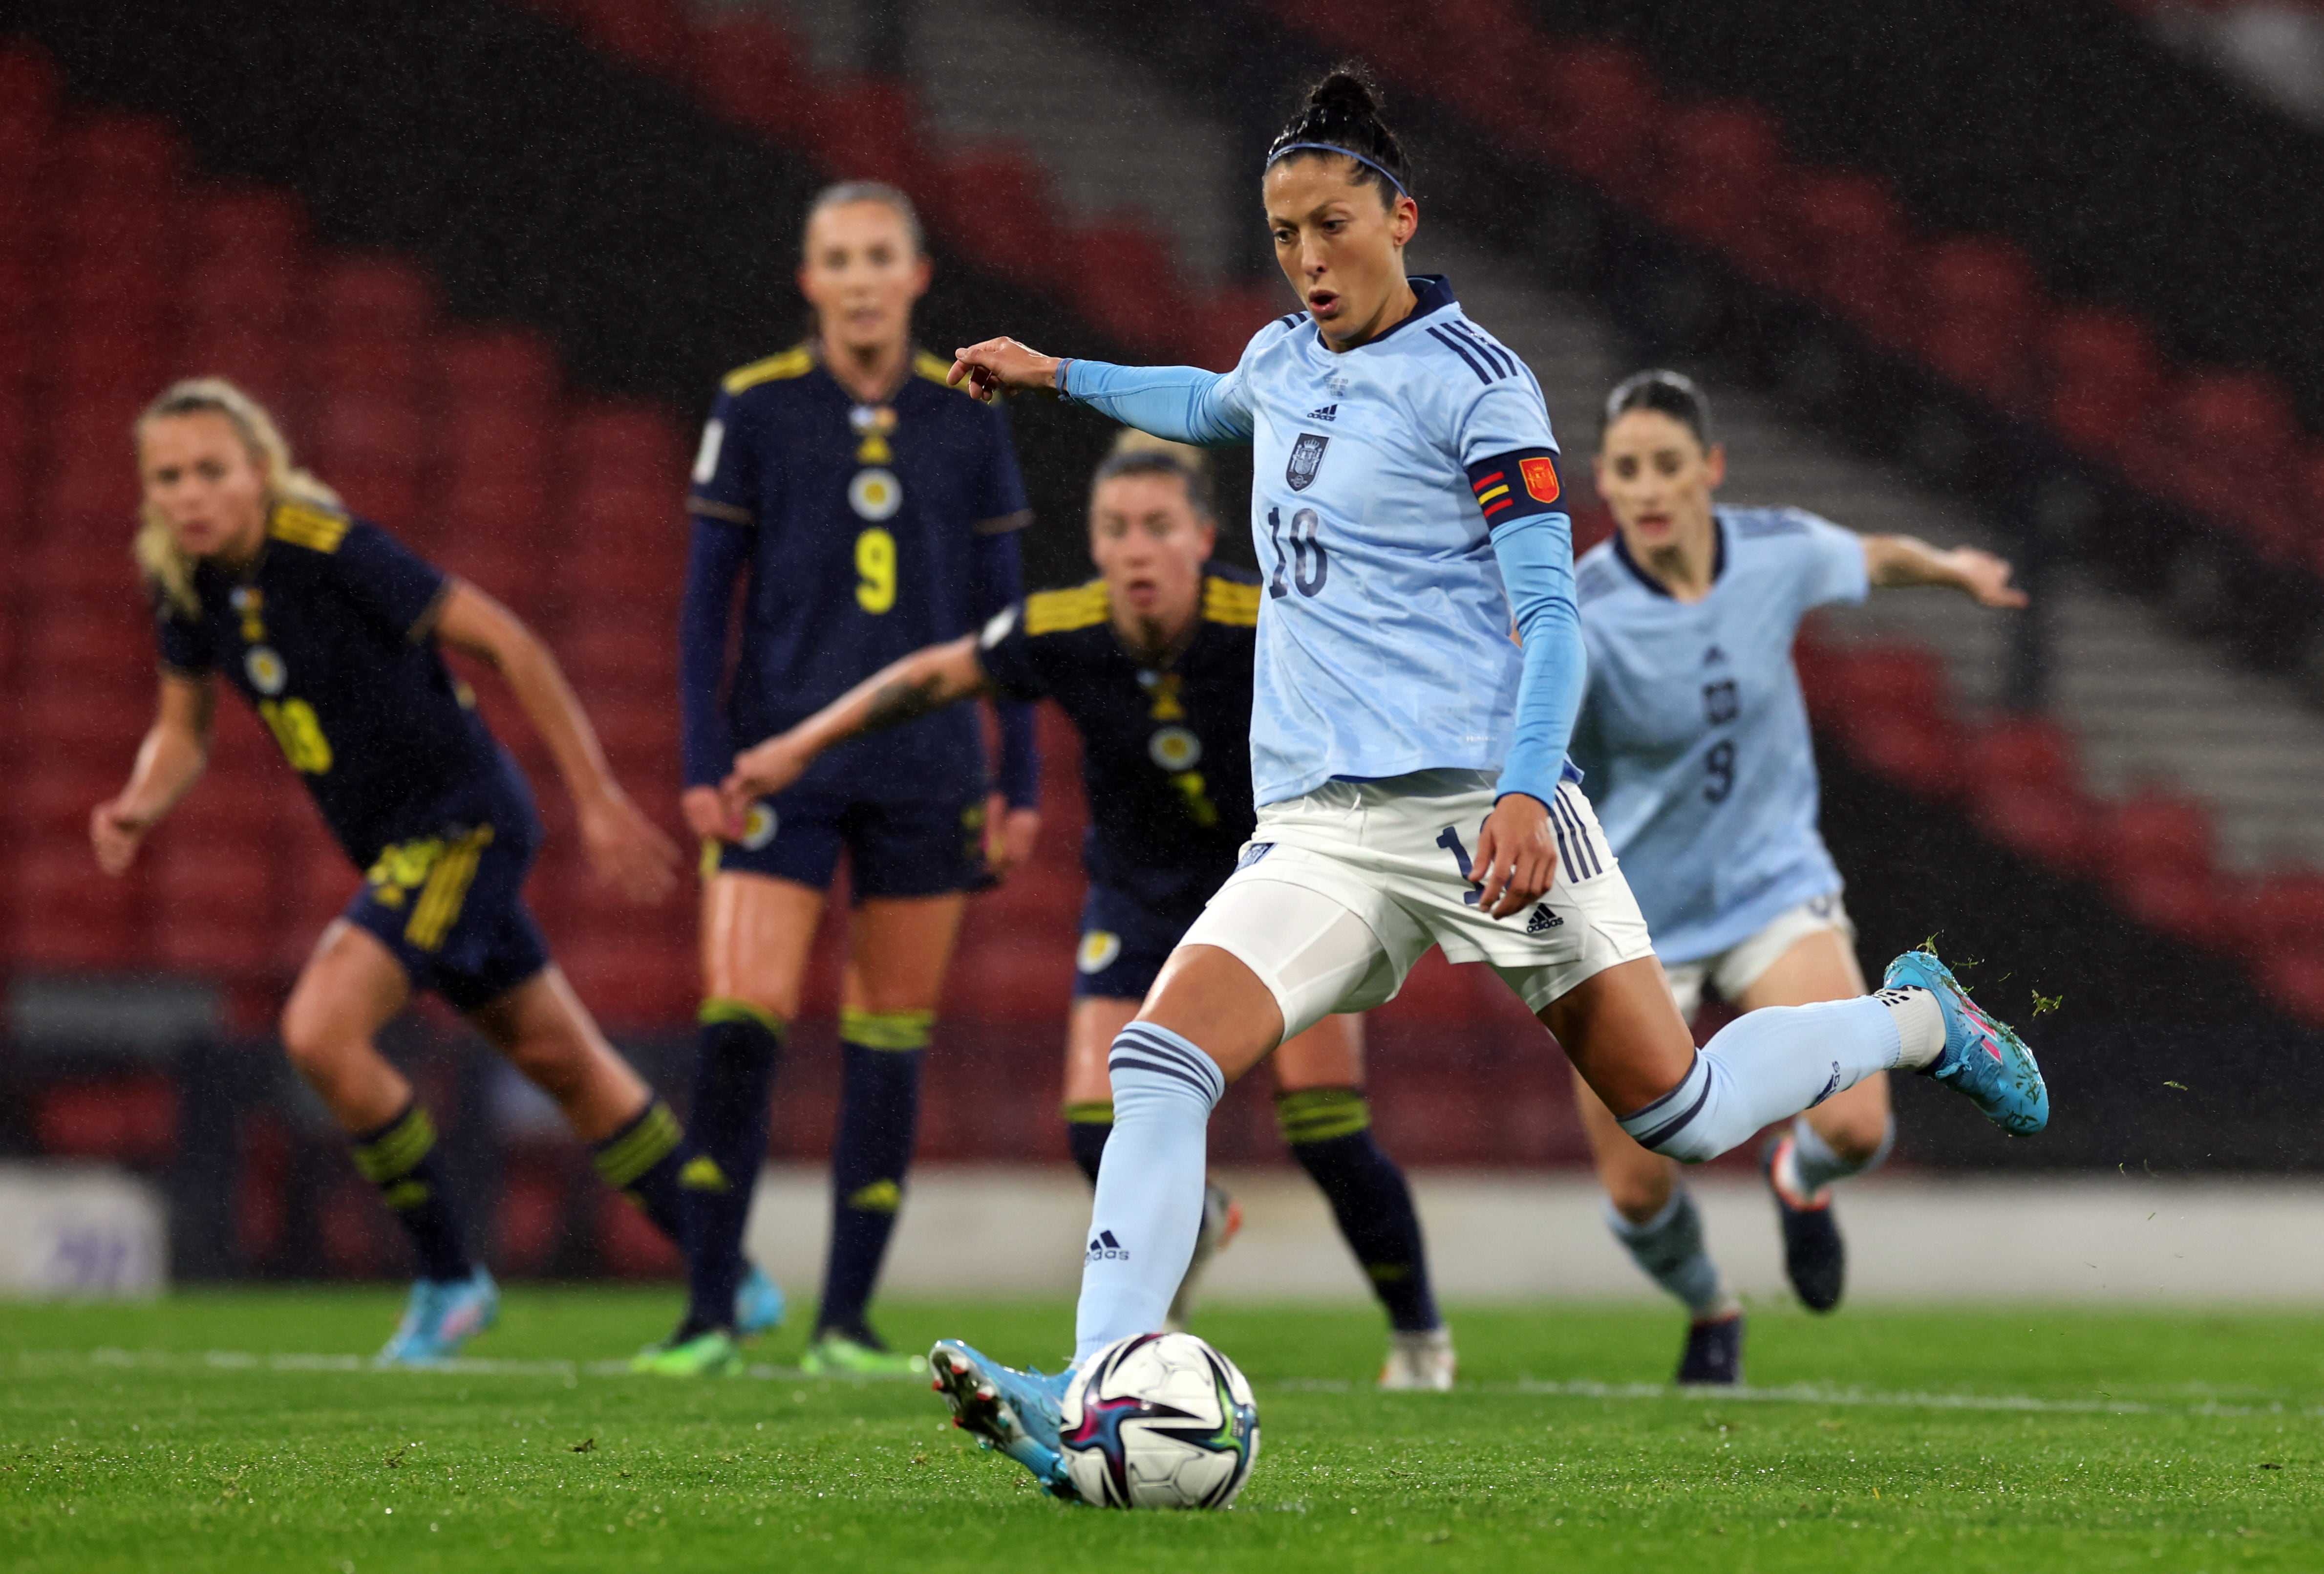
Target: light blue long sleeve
pixel 1536 558
pixel 1184 403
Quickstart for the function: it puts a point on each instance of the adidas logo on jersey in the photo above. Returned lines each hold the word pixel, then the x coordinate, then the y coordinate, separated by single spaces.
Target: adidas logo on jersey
pixel 1541 919
pixel 1106 1249
pixel 1324 412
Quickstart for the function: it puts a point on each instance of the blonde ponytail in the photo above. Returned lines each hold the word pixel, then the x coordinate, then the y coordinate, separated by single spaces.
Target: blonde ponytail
pixel 167 568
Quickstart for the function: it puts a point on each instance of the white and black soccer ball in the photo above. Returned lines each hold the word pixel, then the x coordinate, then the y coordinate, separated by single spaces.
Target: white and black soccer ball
pixel 1159 1420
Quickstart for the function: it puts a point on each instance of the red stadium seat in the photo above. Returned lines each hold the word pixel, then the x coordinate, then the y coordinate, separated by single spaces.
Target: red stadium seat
pixel 1124 279
pixel 1850 242
pixel 864 129
pixel 505 370
pixel 127 156
pixel 379 366
pixel 2024 751
pixel 991 203
pixel 249 227
pixel 1718 163
pixel 65 913
pixel 2285 917
pixel 2050 824
pixel 609 662
pixel 233 294
pixel 209 907
pixel 2159 831
pixel 746 69
pixel 508 510
pixel 2105 379
pixel 389 493
pixel 623 446
pixel 628 1244
pixel 29 90
pixel 491 446
pixel 625 984
pixel 111 646
pixel 131 1120
pixel 2234 436
pixel 1981 303
pixel 651 33
pixel 258 362
pixel 1604 107
pixel 372 297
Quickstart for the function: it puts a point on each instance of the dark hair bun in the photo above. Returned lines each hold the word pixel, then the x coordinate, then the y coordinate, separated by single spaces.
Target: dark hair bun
pixel 1347 90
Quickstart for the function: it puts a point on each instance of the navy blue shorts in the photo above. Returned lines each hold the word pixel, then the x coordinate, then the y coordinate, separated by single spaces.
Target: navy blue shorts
pixel 1124 943
pixel 927 847
pixel 451 907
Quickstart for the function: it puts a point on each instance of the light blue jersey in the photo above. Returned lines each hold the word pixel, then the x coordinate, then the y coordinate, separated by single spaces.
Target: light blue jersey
pixel 1388 483
pixel 1693 737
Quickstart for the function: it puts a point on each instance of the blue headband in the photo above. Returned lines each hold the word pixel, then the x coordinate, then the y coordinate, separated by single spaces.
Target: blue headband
pixel 1288 149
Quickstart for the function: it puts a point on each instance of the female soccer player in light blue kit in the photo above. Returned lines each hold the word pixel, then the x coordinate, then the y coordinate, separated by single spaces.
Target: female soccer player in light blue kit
pixel 1407 759
pixel 1694 740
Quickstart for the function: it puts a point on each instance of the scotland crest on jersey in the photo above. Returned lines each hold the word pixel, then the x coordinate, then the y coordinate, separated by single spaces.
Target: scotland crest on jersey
pixel 1307 458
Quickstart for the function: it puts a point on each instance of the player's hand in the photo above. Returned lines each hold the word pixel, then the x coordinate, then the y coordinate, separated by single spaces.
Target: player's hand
pixel 704 812
pixel 1517 856
pixel 116 834
pixel 760 770
pixel 628 851
pixel 1010 836
pixel 1002 363
pixel 1985 577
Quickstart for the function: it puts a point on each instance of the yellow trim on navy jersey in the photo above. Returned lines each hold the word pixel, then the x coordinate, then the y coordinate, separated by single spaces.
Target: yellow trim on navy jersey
pixel 796 362
pixel 1062 611
pixel 307 527
pixel 711 508
pixel 936 369
pixel 1002 523
pixel 425 624
pixel 1225 601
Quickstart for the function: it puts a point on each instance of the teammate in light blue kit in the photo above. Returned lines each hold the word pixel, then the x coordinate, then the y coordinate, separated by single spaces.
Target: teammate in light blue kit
pixel 1409 761
pixel 1695 741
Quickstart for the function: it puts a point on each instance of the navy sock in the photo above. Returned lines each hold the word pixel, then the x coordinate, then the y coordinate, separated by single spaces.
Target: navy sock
pixel 1087 1125
pixel 1330 1130
pixel 734 1057
pixel 400 1159
pixel 878 1116
pixel 649 1162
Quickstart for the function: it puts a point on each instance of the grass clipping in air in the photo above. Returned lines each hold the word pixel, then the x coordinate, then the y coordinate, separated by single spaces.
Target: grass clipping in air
pixel 226 1431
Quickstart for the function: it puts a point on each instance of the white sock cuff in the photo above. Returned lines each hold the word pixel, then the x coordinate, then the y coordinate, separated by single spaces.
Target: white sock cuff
pixel 1144 1047
pixel 1920 1026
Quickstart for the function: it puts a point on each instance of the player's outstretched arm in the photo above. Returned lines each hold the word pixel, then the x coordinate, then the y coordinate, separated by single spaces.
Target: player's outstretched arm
pixel 926 680
pixel 169 763
pixel 1895 561
pixel 1184 403
pixel 627 849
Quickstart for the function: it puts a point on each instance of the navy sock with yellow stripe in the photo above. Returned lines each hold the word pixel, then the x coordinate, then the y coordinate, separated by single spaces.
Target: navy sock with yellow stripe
pixel 399 1158
pixel 1330 1130
pixel 879 1118
pixel 1087 1125
pixel 649 1162
pixel 736 1050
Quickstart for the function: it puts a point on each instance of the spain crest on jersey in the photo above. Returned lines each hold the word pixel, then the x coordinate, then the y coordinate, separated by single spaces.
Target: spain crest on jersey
pixel 1307 458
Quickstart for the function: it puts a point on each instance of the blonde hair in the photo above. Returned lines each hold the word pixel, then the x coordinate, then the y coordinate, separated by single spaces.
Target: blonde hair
pixel 159 558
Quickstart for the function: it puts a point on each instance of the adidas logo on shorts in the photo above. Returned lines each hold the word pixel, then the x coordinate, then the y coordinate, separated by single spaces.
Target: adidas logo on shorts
pixel 1106 1249
pixel 1541 919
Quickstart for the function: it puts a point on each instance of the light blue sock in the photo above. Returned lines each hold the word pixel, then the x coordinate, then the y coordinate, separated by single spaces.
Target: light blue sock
pixel 1763 1066
pixel 1668 1249
pixel 1149 1185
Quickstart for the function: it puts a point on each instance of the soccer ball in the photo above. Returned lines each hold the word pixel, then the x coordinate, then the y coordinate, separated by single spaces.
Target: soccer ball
pixel 1159 1420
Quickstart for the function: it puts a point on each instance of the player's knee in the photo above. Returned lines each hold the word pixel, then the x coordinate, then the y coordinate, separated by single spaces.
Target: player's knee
pixel 1640 1192
pixel 551 1058
pixel 314 1043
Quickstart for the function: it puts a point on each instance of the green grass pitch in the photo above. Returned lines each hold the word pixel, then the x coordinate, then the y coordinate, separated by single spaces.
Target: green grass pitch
pixel 218 1432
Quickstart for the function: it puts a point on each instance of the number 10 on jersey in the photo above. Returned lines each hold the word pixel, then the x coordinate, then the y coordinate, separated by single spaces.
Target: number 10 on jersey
pixel 1309 563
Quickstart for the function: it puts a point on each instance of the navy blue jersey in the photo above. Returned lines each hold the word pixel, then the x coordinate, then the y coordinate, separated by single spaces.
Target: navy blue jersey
pixel 858 527
pixel 328 633
pixel 1166 755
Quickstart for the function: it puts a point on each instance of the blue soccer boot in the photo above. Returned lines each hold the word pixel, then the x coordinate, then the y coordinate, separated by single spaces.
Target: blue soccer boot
pixel 1982 1058
pixel 440 1316
pixel 1015 1412
pixel 757 1304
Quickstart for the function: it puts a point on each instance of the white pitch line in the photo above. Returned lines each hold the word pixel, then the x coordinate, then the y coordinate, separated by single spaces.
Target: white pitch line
pixel 1794 1394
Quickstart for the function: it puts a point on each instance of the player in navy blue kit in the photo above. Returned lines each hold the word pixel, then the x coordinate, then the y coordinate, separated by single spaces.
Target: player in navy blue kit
pixel 1695 741
pixel 866 509
pixel 1152 662
pixel 332 631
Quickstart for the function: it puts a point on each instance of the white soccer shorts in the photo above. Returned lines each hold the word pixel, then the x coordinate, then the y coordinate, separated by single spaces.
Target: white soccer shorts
pixel 1745 963
pixel 1339 892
